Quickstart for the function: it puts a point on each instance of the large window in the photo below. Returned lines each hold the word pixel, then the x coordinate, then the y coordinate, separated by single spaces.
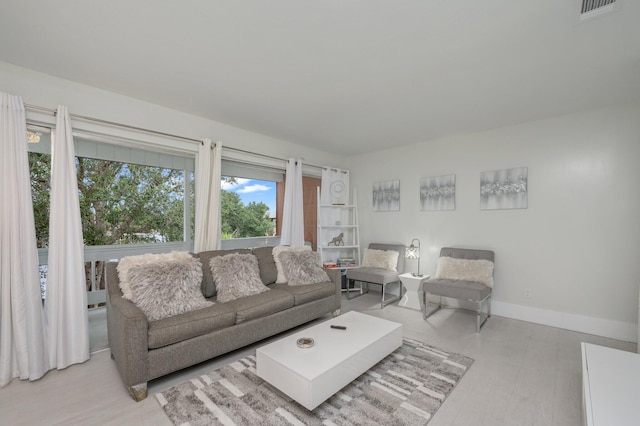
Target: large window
pixel 127 197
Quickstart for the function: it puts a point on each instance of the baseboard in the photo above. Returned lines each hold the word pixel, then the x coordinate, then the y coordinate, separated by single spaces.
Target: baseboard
pixel 619 330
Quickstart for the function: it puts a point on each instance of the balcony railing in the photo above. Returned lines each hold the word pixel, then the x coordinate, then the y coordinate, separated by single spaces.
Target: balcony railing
pixel 96 256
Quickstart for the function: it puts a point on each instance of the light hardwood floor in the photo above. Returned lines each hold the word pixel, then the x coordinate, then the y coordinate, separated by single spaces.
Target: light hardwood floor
pixel 524 374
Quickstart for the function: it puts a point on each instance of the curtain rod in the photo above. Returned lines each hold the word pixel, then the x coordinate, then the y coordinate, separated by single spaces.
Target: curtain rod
pixel 155 132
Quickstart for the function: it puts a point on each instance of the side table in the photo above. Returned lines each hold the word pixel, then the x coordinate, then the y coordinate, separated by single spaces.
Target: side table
pixel 412 284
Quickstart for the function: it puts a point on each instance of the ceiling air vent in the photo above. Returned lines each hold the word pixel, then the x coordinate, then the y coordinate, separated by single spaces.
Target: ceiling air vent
pixel 589 6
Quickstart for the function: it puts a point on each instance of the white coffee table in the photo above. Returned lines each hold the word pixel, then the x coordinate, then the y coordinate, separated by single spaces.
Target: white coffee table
pixel 311 375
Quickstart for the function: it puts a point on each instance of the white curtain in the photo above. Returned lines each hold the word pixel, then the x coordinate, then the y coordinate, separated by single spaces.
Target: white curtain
pixel 65 305
pixel 207 220
pixel 292 213
pixel 23 349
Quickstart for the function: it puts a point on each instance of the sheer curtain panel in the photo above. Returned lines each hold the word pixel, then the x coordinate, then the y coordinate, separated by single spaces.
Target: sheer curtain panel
pixel 66 302
pixel 292 211
pixel 208 174
pixel 23 350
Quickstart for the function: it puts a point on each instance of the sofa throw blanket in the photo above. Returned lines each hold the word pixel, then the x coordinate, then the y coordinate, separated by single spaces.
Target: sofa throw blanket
pixel 303 267
pixel 236 275
pixel 465 269
pixel 162 285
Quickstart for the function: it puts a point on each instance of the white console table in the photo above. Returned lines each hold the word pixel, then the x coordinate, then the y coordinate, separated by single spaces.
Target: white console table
pixel 610 386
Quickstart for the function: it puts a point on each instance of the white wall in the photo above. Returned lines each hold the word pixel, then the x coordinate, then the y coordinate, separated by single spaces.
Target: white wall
pixel 48 91
pixel 575 247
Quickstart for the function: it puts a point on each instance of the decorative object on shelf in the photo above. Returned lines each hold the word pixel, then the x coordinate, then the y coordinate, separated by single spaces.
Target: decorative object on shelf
pixel 413 252
pixel 386 196
pixel 345 262
pixel 438 193
pixel 337 240
pixel 504 189
pixel 305 342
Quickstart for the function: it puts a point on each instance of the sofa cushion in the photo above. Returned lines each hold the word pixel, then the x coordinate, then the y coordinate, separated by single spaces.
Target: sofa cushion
pixel 260 305
pixel 308 293
pixel 236 275
pixel 458 289
pixel 163 285
pixel 302 267
pixel 191 324
pixel 267 265
pixel 282 278
pixel 208 284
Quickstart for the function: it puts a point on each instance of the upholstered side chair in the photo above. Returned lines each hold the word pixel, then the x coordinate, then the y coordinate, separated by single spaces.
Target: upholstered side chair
pixel 465 274
pixel 382 276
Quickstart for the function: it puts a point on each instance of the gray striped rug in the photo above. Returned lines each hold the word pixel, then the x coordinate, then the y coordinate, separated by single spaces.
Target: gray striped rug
pixel 405 388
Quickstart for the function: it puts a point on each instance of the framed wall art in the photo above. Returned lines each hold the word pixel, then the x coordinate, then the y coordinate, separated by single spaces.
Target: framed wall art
pixel 438 193
pixel 504 189
pixel 386 196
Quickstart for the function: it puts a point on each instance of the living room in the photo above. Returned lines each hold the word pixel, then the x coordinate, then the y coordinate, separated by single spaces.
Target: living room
pixel 567 261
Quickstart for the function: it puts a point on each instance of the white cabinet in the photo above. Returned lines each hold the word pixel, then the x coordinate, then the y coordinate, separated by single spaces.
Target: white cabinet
pixel 610 386
pixel 338 234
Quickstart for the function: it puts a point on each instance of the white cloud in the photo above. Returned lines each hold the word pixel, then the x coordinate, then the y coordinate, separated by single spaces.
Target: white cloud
pixel 253 188
pixel 227 186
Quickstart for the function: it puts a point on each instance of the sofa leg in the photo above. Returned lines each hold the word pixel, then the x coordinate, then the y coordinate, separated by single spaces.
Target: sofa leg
pixel 138 392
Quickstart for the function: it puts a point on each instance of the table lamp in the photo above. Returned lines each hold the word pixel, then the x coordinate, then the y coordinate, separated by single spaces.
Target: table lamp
pixel 413 252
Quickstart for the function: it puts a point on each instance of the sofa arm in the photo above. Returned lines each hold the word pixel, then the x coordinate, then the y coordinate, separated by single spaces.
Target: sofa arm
pixel 128 333
pixel 335 275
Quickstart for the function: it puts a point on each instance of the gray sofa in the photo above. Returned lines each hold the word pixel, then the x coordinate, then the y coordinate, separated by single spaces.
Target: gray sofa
pixel 144 350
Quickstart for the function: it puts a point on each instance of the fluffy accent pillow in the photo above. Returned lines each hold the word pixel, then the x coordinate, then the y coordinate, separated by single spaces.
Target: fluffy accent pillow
pixel 163 285
pixel 464 269
pixel 282 277
pixel 236 275
pixel 384 259
pixel 303 267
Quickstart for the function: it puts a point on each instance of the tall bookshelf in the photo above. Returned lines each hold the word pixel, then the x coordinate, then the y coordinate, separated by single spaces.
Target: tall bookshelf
pixel 336 219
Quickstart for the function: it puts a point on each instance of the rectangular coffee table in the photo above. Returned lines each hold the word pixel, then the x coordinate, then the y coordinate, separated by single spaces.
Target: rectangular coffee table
pixel 311 375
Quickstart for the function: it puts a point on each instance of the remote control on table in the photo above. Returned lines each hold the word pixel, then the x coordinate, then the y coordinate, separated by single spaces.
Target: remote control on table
pixel 339 327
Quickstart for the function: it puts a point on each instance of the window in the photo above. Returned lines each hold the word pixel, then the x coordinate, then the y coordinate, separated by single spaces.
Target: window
pixel 248 208
pixel 127 197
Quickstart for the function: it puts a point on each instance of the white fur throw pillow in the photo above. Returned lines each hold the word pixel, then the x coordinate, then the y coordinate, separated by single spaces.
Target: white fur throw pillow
pixel 236 275
pixel 282 277
pixel 163 285
pixel 464 269
pixel 303 267
pixel 383 259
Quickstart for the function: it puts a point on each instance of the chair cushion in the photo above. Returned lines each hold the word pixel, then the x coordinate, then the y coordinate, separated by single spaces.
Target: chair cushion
pixel 191 324
pixel 384 259
pixel 372 275
pixel 458 289
pixel 308 293
pixel 261 305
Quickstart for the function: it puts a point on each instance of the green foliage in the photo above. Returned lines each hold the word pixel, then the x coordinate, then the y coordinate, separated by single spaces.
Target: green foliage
pixel 240 221
pixel 119 203
pixel 125 203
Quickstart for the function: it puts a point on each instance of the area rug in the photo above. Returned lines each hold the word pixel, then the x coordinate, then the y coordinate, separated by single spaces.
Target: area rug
pixel 405 388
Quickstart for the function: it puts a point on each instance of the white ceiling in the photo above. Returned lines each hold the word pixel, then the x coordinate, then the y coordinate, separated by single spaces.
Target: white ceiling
pixel 341 75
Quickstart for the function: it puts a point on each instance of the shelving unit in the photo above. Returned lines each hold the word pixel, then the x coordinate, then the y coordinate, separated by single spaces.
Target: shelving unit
pixel 334 219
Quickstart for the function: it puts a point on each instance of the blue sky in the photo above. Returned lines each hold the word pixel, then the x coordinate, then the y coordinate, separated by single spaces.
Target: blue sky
pixel 254 190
